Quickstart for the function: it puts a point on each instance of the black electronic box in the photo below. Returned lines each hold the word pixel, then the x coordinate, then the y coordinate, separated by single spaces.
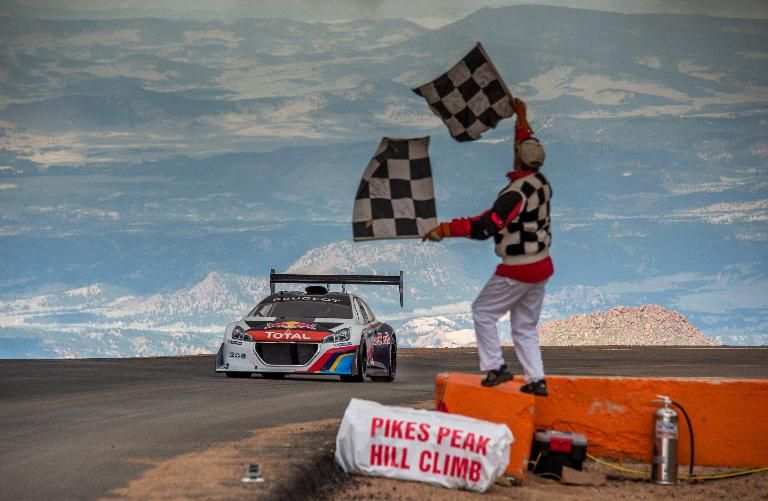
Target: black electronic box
pixel 551 450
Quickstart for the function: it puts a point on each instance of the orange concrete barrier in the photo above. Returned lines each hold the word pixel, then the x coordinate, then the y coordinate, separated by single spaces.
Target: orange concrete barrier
pixel 729 417
pixel 463 394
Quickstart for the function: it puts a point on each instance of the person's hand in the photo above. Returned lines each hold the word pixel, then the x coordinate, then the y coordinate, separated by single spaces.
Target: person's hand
pixel 519 106
pixel 437 233
pixel 522 127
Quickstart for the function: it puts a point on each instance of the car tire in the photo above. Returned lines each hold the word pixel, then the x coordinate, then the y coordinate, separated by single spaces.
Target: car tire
pixel 392 366
pixel 272 375
pixel 243 375
pixel 361 367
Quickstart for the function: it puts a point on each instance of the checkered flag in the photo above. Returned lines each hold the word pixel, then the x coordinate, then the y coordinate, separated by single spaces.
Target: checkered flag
pixel 470 98
pixel 396 197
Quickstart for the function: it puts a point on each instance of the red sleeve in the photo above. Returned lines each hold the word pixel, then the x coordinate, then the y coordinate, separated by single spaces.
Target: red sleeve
pixel 460 227
pixel 490 222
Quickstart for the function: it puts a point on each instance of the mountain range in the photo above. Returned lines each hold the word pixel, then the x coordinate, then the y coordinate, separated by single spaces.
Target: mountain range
pixel 164 166
pixel 102 321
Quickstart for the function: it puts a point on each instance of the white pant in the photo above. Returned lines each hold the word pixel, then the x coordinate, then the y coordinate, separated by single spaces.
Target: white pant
pixel 523 302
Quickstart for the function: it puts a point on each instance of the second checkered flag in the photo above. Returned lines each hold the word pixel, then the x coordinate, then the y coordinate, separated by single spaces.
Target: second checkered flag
pixel 470 98
pixel 396 197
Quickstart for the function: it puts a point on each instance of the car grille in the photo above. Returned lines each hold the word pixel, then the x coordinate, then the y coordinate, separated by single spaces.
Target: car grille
pixel 286 353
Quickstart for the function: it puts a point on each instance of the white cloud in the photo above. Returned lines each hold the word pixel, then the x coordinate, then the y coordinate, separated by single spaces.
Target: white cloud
pixel 550 84
pixel 695 70
pixel 743 30
pixel 602 89
pixel 688 106
pixel 116 37
pixel 724 184
pixel 663 283
pixel 574 226
pixel 253 126
pixel 650 61
pixel 71 213
pixel 759 149
pixel 45 149
pixel 713 150
pixel 752 236
pixel 724 297
pixel 569 300
pixel 296 108
pixel 753 55
pixel 218 36
pixel 432 22
pixel 127 70
pixel 736 287
pixel 752 211
pixel 250 79
pixel 463 307
pixel 406 116
pixel 598 89
pixel 83 148
pixel 60 157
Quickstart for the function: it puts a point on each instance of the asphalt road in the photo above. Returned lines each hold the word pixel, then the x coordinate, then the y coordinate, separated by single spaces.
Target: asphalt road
pixel 76 429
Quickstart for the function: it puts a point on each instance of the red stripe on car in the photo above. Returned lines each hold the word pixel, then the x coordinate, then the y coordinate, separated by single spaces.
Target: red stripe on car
pixel 318 366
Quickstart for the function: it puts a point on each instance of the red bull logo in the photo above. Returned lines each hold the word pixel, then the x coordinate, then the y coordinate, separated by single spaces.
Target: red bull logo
pixel 290 325
pixel 381 338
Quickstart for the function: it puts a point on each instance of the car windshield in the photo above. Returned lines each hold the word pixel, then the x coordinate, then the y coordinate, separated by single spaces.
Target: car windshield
pixel 303 307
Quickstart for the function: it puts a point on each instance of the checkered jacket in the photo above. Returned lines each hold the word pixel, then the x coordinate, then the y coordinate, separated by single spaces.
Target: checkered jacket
pixel 526 237
pixel 518 220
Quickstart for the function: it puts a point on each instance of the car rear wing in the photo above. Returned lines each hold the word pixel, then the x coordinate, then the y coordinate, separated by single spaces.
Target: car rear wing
pixel 292 278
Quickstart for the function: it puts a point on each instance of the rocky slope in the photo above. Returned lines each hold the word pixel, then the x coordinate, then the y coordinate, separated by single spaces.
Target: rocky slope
pixel 644 325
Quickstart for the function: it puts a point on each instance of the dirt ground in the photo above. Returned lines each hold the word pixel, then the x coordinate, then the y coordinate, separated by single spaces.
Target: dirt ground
pixel 296 463
pixel 754 487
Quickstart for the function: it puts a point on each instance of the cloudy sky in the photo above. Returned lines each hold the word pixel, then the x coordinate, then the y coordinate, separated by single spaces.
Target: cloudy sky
pixel 431 13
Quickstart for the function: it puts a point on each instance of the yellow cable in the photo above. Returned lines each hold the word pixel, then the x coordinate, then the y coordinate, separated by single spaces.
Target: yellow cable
pixel 615 466
pixel 725 475
pixel 695 477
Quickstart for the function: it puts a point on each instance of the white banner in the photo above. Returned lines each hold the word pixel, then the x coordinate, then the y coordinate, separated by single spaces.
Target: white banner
pixel 427 446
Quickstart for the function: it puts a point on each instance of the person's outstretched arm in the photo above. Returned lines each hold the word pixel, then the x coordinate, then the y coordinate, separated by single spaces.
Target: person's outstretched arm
pixel 505 209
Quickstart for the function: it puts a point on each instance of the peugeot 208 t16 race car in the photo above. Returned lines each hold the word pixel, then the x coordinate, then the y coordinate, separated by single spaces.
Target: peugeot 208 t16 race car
pixel 312 332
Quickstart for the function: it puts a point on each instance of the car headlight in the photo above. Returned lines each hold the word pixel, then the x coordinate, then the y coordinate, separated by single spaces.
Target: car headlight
pixel 338 336
pixel 240 334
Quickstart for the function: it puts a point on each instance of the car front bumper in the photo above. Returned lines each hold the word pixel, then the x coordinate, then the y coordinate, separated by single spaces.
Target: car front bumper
pixel 286 357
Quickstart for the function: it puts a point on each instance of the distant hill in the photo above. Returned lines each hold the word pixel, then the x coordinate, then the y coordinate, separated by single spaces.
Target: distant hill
pixel 648 325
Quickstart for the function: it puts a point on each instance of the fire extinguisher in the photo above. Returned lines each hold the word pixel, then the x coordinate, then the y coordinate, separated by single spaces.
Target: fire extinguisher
pixel 664 468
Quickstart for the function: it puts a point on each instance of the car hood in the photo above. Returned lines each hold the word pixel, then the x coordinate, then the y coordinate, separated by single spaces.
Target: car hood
pixel 293 330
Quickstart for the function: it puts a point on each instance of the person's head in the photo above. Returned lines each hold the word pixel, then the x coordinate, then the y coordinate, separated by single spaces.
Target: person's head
pixel 529 154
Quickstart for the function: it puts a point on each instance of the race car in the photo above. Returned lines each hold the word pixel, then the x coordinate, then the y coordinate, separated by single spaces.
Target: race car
pixel 313 331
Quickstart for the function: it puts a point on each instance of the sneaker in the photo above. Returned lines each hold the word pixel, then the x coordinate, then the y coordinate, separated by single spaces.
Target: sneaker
pixel 498 376
pixel 538 388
